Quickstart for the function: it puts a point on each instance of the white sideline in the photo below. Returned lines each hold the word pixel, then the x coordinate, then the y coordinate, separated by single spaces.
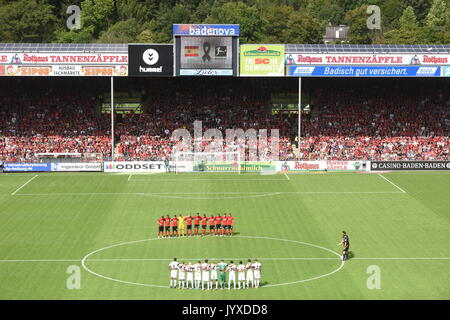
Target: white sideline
pixel 392 183
pixel 23 185
pixel 287 177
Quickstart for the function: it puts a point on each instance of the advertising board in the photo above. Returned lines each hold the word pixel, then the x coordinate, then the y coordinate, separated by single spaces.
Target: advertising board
pixel 262 60
pixel 154 60
pixel 363 71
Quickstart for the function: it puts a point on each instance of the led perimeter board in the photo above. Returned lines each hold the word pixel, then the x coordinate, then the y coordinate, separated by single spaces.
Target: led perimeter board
pixel 206 50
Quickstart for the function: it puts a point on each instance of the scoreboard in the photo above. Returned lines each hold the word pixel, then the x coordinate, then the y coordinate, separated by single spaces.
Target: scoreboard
pixel 206 50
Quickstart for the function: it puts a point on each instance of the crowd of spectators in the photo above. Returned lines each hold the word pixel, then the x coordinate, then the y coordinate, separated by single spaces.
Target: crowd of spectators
pixel 399 127
pixel 48 124
pixel 149 136
pixel 343 125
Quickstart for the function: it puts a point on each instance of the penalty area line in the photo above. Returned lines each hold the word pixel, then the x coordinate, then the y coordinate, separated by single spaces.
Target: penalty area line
pixel 403 191
pixel 29 180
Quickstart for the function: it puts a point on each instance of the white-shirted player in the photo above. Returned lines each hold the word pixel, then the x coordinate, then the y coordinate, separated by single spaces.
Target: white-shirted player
pixel 205 275
pixel 173 267
pixel 189 275
pixel 181 275
pixel 256 273
pixel 241 274
pixel 249 277
pixel 197 274
pixel 231 269
pixel 214 277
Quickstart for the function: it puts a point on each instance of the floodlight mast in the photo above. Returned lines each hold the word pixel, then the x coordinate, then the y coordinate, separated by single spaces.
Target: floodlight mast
pixel 299 134
pixel 112 118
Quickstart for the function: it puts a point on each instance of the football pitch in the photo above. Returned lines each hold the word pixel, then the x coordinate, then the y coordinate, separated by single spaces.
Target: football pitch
pixel 99 231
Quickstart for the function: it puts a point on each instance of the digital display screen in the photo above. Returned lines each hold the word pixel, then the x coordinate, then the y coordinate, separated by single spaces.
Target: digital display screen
pixel 206 53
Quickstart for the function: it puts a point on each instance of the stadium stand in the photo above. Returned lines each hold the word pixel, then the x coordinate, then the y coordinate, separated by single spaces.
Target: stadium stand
pixel 347 124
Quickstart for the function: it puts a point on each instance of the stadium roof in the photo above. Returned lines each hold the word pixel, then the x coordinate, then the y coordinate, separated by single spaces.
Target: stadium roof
pixel 366 48
pixel 63 47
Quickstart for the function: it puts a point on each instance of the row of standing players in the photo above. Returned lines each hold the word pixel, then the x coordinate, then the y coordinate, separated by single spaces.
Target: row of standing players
pixel 201 275
pixel 220 225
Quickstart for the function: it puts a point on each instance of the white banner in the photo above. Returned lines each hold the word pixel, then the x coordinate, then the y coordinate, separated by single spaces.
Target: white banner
pixel 344 165
pixel 206 72
pixel 64 58
pixel 182 166
pixel 135 166
pixel 77 167
pixel 64 70
pixel 366 59
pixel 292 166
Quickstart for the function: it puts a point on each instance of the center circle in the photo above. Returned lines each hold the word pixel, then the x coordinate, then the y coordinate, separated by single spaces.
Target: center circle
pixel 89 257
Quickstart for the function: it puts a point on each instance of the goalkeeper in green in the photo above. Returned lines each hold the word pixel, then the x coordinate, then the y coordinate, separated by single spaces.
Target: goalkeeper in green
pixel 222 267
pixel 166 165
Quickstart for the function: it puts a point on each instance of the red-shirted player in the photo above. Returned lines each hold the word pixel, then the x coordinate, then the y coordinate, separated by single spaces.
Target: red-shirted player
pixel 160 227
pixel 230 224
pixel 174 226
pixel 196 224
pixel 218 224
pixel 224 224
pixel 167 226
pixel 212 225
pixel 204 221
pixel 189 225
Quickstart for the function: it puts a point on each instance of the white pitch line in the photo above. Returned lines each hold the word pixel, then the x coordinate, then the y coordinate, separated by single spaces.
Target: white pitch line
pixel 115 174
pixel 187 259
pixel 40 260
pixel 23 185
pixel 287 177
pixel 267 259
pixel 400 258
pixel 391 183
pixel 184 180
pixel 202 193
pixel 129 177
pixel 194 259
pixel 83 194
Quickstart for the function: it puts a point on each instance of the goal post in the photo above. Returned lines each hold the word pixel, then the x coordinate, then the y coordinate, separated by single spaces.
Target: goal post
pixel 207 162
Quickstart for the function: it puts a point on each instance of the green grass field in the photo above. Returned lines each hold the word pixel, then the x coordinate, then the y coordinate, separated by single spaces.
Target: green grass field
pixel 105 224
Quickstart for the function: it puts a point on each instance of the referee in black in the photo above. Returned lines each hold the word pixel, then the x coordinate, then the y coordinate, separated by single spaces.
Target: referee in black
pixel 345 245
